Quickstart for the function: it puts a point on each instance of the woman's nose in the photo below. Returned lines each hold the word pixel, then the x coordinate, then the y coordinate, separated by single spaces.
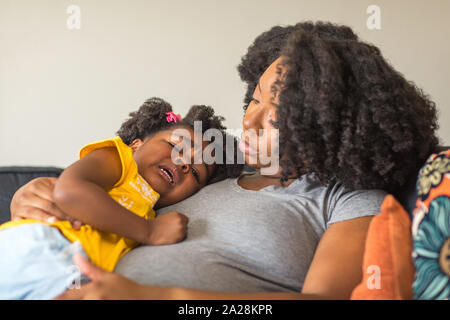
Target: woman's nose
pixel 253 119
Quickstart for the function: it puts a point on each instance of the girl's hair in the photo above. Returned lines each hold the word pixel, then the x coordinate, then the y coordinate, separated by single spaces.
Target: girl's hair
pixel 345 114
pixel 151 118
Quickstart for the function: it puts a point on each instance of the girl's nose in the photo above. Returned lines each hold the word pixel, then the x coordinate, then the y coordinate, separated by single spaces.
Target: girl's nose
pixel 185 168
pixel 182 165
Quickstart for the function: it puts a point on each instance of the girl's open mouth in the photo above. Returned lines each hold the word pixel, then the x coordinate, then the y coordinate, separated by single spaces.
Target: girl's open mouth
pixel 170 174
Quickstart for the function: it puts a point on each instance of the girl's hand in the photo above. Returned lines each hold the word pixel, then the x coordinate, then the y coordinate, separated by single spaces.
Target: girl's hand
pixel 34 200
pixel 106 285
pixel 167 228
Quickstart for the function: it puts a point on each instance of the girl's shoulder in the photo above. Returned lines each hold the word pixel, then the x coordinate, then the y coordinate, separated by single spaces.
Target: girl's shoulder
pixel 124 152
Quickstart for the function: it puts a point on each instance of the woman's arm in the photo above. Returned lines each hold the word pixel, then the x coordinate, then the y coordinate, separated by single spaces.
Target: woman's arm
pixel 34 200
pixel 337 265
pixel 106 285
pixel 334 273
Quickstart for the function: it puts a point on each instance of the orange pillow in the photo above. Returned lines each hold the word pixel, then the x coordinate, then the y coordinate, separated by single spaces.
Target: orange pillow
pixel 388 269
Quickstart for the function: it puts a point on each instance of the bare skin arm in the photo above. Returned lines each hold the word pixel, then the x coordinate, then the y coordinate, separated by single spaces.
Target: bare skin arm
pixel 334 273
pixel 337 265
pixel 335 270
pixel 34 200
pixel 82 193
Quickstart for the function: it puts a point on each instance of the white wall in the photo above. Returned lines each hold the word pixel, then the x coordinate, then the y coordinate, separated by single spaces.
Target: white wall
pixel 61 88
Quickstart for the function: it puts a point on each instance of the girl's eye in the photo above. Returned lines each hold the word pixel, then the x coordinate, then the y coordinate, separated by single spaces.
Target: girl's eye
pixel 194 172
pixel 173 146
pixel 196 175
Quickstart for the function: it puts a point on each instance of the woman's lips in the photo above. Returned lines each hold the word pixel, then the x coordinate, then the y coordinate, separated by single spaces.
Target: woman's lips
pixel 245 148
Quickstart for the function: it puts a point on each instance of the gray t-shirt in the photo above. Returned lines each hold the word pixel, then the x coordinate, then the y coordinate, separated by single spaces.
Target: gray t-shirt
pixel 249 241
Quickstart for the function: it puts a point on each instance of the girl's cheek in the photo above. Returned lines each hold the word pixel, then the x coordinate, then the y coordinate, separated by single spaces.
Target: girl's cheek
pixel 190 189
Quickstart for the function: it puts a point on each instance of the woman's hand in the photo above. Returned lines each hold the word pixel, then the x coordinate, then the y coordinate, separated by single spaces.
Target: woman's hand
pixel 34 200
pixel 106 285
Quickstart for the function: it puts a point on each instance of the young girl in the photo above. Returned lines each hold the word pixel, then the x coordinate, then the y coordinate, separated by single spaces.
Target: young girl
pixel 113 189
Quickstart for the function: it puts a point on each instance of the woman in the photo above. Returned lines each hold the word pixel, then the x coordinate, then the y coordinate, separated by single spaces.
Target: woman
pixel 347 123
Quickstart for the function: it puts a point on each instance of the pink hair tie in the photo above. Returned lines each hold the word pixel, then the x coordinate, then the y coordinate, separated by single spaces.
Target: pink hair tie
pixel 172 117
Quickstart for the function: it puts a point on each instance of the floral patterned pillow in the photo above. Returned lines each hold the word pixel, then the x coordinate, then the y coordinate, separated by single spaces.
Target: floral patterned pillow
pixel 431 229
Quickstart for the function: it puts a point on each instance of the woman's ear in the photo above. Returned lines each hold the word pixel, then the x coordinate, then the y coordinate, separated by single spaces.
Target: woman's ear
pixel 136 144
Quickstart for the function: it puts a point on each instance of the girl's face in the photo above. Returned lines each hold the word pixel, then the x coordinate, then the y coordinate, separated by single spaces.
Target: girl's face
pixel 258 116
pixel 173 180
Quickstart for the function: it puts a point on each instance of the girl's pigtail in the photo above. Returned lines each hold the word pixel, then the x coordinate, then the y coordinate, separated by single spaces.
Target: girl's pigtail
pixel 150 118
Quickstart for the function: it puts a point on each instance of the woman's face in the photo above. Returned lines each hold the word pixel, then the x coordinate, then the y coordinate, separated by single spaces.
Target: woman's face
pixel 260 138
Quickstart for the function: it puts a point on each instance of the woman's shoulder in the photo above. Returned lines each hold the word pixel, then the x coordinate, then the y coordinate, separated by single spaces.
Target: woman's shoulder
pixel 344 203
pixel 337 202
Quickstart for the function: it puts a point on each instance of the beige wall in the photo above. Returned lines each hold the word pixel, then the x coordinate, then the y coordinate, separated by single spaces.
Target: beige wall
pixel 61 88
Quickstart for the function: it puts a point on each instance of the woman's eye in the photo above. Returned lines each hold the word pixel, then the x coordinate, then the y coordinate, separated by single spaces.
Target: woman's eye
pixel 255 101
pixel 196 175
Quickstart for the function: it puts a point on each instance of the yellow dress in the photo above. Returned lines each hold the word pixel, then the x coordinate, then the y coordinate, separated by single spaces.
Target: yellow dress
pixel 131 191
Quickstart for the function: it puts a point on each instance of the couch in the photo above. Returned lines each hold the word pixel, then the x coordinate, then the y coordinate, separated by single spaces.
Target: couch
pixel 12 178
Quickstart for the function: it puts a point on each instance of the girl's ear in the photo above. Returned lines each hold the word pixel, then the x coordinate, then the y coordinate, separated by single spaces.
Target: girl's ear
pixel 136 144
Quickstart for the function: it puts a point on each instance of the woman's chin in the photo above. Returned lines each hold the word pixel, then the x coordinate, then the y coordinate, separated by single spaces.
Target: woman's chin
pixel 252 161
pixel 255 163
pixel 254 166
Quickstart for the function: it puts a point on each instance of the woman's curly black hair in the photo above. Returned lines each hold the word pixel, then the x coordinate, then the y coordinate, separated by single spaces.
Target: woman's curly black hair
pixel 151 118
pixel 345 114
pixel 267 48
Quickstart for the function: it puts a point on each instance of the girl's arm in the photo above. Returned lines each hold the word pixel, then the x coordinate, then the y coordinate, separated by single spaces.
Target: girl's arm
pixel 82 192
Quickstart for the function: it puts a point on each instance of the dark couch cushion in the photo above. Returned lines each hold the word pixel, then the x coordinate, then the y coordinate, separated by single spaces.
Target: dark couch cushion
pixel 12 178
